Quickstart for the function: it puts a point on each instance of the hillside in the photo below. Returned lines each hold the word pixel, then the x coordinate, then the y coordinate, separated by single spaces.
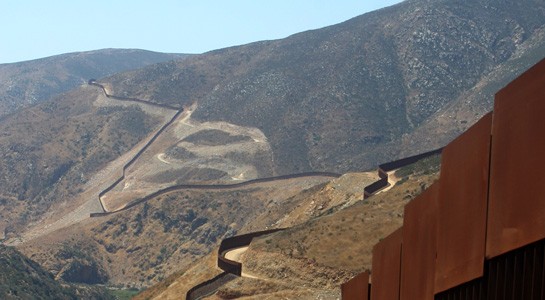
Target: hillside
pixel 342 98
pixel 25 83
pixel 22 278
pixel 386 84
pixel 345 97
pixel 51 153
pixel 465 110
pixel 123 249
pixel 314 256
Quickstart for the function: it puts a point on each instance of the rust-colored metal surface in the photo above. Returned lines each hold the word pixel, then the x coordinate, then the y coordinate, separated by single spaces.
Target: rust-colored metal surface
pixel 419 246
pixel 387 267
pixel 462 207
pixel 356 288
pixel 517 185
pixel 518 274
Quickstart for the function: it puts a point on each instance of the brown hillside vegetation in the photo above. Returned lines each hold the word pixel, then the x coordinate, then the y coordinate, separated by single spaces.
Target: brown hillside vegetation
pixel 344 97
pixel 323 247
pixel 22 278
pixel 335 99
pixel 51 154
pixel 26 83
pixel 188 224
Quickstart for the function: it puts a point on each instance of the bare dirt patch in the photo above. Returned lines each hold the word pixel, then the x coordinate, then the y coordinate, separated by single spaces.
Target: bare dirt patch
pixel 196 153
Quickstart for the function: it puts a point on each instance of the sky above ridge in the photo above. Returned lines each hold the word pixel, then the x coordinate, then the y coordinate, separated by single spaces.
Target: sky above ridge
pixel 33 29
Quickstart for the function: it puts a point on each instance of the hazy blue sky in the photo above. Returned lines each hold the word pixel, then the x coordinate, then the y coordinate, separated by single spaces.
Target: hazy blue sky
pixel 36 28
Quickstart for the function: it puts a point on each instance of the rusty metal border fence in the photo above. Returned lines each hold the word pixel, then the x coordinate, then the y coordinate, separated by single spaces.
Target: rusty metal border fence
pixel 209 287
pixel 234 267
pixel 505 194
pixel 516 275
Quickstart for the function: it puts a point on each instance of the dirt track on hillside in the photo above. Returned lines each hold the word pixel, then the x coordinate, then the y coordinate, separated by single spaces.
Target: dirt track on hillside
pixel 87 202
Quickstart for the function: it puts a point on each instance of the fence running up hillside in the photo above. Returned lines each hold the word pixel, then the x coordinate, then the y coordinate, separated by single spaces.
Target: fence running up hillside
pixel 121 98
pixel 209 287
pixel 383 170
pixel 478 232
pixel 234 267
pixel 141 151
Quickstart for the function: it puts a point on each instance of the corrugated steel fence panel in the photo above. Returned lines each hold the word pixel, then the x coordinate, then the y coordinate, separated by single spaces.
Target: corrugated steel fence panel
pixel 356 288
pixel 517 184
pixel 387 267
pixel 473 290
pixel 419 244
pixel 516 275
pixel 462 207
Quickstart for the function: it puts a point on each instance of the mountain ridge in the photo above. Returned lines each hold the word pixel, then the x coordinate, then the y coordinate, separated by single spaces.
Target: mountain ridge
pixel 28 82
pixel 382 75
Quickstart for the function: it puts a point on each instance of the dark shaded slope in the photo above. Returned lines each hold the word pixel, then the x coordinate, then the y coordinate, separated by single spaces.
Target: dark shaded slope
pixel 25 83
pixel 22 278
pixel 341 98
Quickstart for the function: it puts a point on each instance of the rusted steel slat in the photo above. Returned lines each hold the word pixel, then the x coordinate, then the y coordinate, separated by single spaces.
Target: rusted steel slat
pixel 386 268
pixel 356 288
pixel 517 185
pixel 515 275
pixel 419 246
pixel 462 207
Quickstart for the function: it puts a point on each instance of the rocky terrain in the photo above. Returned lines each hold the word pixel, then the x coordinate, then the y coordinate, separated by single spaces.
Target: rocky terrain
pixel 123 249
pixel 52 153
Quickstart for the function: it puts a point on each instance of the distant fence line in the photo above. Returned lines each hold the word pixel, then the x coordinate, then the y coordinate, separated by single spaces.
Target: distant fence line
pixel 231 243
pixel 121 98
pixel 209 287
pixel 141 151
pixel 212 187
pixel 384 168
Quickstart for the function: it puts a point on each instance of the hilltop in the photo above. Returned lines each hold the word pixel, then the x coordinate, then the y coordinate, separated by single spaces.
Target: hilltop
pixel 23 84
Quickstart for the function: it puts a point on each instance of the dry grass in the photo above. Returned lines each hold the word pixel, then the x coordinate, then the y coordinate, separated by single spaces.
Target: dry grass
pixel 329 250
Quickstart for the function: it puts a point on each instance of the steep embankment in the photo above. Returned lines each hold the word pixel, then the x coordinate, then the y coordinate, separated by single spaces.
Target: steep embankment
pixel 467 108
pixel 233 249
pixel 298 208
